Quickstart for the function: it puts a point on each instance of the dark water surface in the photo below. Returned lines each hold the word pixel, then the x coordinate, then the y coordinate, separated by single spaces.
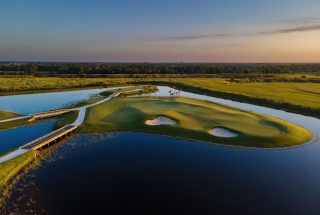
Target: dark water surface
pixel 16 137
pixel 135 173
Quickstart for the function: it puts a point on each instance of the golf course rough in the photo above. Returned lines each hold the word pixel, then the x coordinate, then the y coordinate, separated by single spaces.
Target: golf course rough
pixel 194 120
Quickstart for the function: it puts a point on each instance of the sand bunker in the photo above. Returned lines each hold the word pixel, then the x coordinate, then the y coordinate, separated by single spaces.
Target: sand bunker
pixel 222 132
pixel 161 120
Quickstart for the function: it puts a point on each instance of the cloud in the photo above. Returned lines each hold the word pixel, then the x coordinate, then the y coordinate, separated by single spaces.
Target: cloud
pixel 294 29
pixel 285 30
pixel 303 20
pixel 199 36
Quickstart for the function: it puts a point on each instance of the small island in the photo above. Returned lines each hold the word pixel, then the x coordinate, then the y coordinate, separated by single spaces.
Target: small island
pixel 193 119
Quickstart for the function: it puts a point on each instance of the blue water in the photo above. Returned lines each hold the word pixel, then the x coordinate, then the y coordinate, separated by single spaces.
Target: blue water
pixel 135 173
pixel 39 102
pixel 13 138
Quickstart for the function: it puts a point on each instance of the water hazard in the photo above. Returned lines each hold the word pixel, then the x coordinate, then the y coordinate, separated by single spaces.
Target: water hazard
pixel 136 173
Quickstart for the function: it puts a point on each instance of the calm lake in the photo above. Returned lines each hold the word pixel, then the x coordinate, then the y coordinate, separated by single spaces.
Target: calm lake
pixel 14 138
pixel 40 102
pixel 35 103
pixel 136 173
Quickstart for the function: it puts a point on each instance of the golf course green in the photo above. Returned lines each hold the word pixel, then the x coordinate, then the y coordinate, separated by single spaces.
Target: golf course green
pixel 195 119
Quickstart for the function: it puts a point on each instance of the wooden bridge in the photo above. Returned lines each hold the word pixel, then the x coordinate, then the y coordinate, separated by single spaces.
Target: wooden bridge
pixel 56 135
pixel 50 138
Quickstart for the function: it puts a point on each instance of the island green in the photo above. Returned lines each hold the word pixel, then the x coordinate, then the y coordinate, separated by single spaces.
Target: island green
pixel 195 118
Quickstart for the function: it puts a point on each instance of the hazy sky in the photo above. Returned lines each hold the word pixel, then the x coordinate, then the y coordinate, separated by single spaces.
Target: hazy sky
pixel 160 30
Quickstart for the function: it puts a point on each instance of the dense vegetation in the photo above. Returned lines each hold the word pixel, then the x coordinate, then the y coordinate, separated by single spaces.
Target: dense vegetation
pixel 49 69
pixel 195 118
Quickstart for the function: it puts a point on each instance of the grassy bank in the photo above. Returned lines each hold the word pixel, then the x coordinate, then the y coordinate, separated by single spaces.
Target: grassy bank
pixel 298 97
pixel 8 115
pixel 134 90
pixel 10 86
pixel 9 170
pixel 16 123
pixel 67 119
pixel 13 166
pixel 195 118
pixel 294 93
pixel 295 102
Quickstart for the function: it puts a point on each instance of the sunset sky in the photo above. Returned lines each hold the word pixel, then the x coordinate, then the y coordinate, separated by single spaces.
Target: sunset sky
pixel 160 31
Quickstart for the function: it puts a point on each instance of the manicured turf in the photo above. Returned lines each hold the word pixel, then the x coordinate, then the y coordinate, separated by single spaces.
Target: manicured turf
pixel 7 115
pixel 195 118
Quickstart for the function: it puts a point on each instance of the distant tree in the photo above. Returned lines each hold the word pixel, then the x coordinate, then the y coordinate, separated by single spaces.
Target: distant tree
pixel 31 69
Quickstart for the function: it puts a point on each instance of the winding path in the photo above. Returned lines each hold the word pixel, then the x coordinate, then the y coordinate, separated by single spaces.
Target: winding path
pixel 57 133
pixel 15 118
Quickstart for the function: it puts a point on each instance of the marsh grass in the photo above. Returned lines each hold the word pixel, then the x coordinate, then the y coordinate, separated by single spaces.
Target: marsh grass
pixel 9 172
pixel 13 171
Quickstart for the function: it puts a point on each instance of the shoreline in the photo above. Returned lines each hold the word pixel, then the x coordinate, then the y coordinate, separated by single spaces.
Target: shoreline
pixel 312 141
pixel 286 106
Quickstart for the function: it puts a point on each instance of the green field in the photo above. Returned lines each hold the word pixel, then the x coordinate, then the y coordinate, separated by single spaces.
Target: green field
pixel 299 97
pixel 305 94
pixel 195 118
pixel 16 85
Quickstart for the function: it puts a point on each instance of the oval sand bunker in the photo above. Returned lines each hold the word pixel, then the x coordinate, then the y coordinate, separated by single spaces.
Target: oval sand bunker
pixel 161 120
pixel 222 132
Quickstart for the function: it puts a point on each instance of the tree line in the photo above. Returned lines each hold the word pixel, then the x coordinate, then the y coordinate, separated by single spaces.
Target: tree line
pixel 17 68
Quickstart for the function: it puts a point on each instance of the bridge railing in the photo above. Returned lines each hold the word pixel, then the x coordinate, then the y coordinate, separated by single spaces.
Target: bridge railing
pixel 43 137
pixel 60 129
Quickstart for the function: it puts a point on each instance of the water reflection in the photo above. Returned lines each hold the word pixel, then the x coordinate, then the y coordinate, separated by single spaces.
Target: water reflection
pixel 39 102
pixel 142 173
pixel 14 138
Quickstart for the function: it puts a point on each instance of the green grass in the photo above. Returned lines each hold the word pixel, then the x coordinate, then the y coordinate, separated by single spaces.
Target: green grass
pixel 7 115
pixel 135 90
pixel 299 97
pixel 16 123
pixel 294 93
pixel 9 86
pixel 195 118
pixel 67 119
pixel 12 167
pixel 290 96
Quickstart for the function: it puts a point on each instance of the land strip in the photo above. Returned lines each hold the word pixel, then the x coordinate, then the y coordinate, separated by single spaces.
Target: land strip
pixel 297 97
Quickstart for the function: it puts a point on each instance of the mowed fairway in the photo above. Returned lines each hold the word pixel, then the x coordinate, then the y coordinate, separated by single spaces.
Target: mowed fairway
pixel 195 118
